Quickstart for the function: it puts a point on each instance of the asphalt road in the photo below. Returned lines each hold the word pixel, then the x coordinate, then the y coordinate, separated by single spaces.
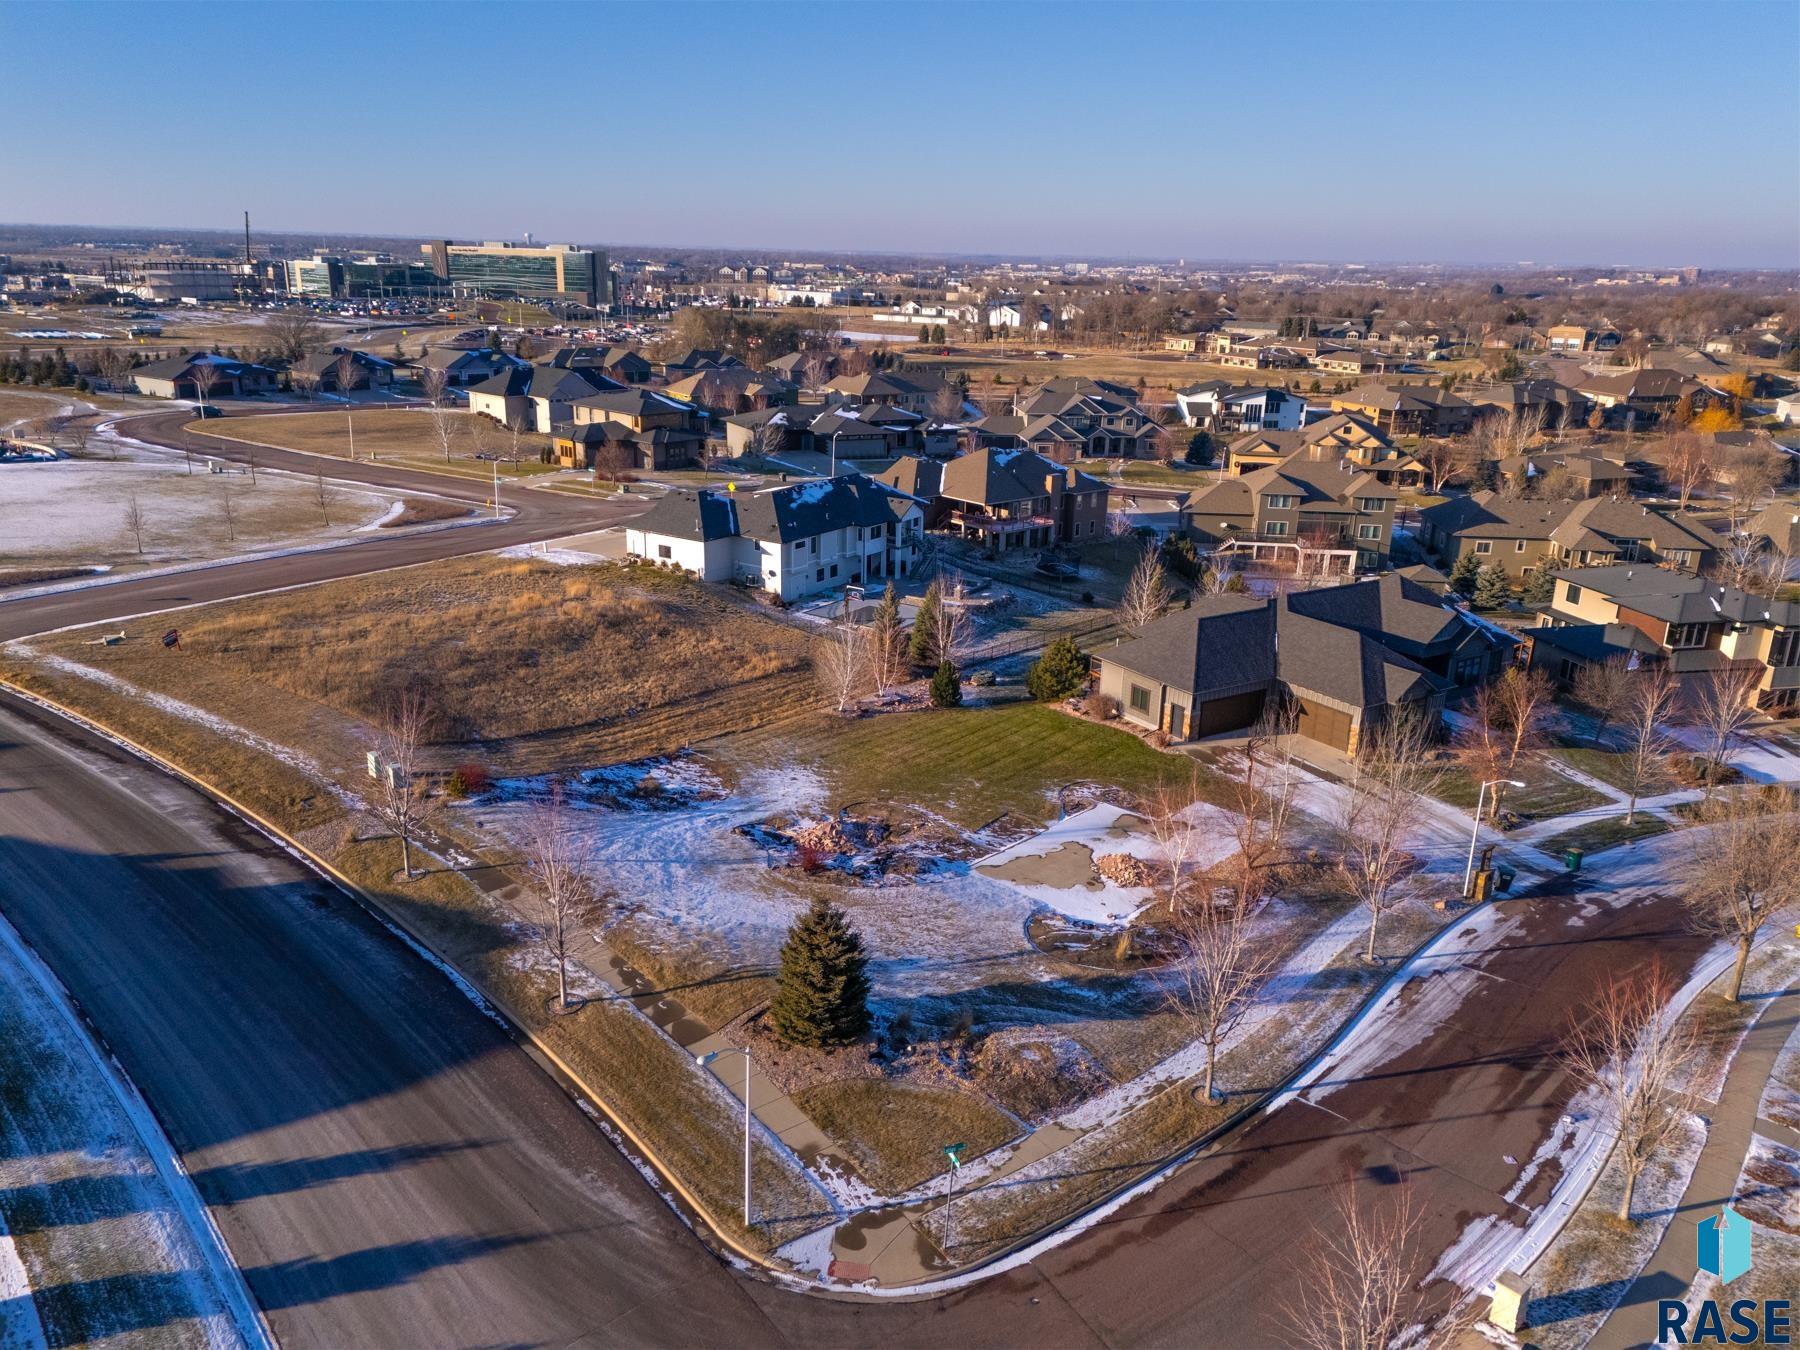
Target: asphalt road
pixel 390 1170
pixel 537 515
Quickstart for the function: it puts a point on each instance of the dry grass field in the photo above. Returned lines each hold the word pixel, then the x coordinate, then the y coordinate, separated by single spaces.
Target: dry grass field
pixel 532 666
pixel 400 434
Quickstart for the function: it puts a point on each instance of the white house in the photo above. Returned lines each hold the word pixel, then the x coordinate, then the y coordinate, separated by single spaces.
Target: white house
pixel 1219 406
pixel 794 541
pixel 1787 410
pixel 1014 316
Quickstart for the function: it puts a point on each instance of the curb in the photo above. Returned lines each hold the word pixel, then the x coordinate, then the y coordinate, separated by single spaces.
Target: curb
pixel 511 1020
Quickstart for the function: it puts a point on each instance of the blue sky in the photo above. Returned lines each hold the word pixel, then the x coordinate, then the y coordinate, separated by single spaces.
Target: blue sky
pixel 1637 134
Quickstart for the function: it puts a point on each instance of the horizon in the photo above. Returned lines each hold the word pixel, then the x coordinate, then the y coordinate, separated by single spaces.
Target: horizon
pixel 1379 133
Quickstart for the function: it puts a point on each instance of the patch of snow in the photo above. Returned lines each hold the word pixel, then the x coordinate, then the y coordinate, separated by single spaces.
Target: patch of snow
pixel 810 1255
pixel 20 1328
pixel 392 513
pixel 560 557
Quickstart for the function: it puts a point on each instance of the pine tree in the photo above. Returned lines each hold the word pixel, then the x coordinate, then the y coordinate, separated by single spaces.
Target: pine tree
pixel 887 640
pixel 924 631
pixel 1462 576
pixel 1540 584
pixel 946 686
pixel 1061 671
pixel 1491 587
pixel 822 992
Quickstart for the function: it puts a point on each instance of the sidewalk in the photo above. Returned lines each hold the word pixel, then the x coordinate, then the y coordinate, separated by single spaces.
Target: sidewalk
pixel 1671 1267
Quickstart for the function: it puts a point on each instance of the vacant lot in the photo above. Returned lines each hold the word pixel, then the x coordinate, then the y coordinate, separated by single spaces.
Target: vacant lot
pixel 405 435
pixel 529 664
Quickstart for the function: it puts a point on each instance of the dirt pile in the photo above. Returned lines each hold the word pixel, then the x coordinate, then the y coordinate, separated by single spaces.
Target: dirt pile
pixel 1124 869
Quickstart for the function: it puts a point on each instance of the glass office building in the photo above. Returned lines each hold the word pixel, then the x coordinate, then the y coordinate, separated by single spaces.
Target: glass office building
pixel 528 271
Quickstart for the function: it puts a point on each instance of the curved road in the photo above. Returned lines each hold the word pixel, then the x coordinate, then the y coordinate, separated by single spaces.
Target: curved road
pixel 536 515
pixel 389 1168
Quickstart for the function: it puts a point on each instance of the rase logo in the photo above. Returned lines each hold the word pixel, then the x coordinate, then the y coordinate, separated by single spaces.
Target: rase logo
pixel 1722 1248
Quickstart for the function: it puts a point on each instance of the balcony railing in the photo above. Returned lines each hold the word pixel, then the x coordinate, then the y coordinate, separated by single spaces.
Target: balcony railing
pixel 980 520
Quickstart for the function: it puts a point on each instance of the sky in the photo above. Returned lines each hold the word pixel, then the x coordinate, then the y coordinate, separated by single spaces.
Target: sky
pixel 1652 134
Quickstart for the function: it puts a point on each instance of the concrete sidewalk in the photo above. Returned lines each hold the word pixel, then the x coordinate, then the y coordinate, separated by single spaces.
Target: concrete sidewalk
pixel 1670 1269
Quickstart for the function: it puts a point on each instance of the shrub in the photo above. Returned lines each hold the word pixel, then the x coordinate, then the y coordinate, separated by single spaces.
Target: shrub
pixel 946 686
pixel 1103 707
pixel 466 780
pixel 1060 672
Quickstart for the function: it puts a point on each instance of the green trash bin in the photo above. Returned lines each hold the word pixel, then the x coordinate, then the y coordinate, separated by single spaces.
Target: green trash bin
pixel 1572 859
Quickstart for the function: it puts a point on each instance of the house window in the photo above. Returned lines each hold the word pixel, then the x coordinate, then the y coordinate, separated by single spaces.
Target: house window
pixel 819 575
pixel 1484 546
pixel 1682 635
pixel 1518 546
pixel 1681 558
pixel 664 551
pixel 834 569
pixel 1784 648
pixel 1574 593
pixel 1368 531
pixel 1275 528
pixel 1277 501
pixel 1140 699
pixel 1368 503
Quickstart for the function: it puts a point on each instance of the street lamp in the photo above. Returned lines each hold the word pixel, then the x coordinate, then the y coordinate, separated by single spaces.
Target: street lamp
pixel 1475 829
pixel 703 1061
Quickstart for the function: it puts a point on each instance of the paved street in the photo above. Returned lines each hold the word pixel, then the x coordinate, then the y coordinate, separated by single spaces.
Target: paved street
pixel 380 1156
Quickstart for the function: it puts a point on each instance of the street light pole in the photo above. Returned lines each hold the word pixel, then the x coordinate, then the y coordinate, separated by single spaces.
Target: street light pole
pixel 703 1061
pixel 1475 827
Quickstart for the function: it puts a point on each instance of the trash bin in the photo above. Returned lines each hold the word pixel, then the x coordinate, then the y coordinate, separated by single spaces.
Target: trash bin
pixel 1572 859
pixel 1506 878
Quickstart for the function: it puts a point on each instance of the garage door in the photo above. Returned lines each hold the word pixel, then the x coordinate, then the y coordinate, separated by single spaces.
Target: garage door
pixel 1328 726
pixel 1230 714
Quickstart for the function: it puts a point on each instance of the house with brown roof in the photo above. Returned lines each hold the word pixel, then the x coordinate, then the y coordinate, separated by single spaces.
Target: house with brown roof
pixel 728 390
pixel 1554 406
pixel 627 428
pixel 1345 658
pixel 912 390
pixel 1349 437
pixel 1521 533
pixel 1407 409
pixel 1074 418
pixel 1311 499
pixel 1005 498
pixel 1642 397
pixel 1586 475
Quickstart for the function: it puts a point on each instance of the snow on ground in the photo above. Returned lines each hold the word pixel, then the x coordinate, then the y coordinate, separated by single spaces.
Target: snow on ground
pixel 100 1210
pixel 561 557
pixel 1757 758
pixel 392 513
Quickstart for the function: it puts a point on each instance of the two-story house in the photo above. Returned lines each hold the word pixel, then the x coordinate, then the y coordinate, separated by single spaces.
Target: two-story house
pixel 794 541
pixel 1697 626
pixel 537 397
pixel 1005 498
pixel 1074 418
pixel 645 429
pixel 1642 397
pixel 1521 534
pixel 1224 408
pixel 1407 409
pixel 1311 499
pixel 915 391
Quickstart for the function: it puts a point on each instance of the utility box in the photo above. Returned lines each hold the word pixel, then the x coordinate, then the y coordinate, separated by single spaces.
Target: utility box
pixel 1511 1298
pixel 374 765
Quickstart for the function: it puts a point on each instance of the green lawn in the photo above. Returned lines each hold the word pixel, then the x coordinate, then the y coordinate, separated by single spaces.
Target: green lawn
pixel 896 1133
pixel 1546 793
pixel 970 765
pixel 1609 766
pixel 1605 834
pixel 1149 474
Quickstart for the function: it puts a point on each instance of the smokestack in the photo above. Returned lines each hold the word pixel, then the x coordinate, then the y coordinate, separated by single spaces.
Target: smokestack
pixel 246 238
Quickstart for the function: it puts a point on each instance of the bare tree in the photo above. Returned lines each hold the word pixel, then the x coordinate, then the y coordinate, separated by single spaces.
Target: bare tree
pixel 1654 692
pixel 433 381
pixel 1358 1274
pixel 1444 458
pixel 950 628
pixel 770 437
pixel 1749 472
pixel 888 643
pixel 228 508
pixel 556 860
pixel 114 365
pixel 444 422
pixel 292 331
pixel 1604 688
pixel 344 371
pixel 1687 459
pixel 402 800
pixel 1146 593
pixel 134 520
pixel 1509 723
pixel 1628 1048
pixel 306 381
pixel 946 404
pixel 1743 871
pixel 323 499
pixel 1262 800
pixel 1721 706
pixel 205 376
pixel 1217 971
pixel 841 665
pixel 1740 564
pixel 1379 806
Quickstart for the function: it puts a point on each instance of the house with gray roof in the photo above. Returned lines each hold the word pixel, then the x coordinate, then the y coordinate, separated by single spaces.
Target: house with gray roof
pixel 1520 533
pixel 174 377
pixel 794 541
pixel 1006 499
pixel 537 397
pixel 1313 499
pixel 1344 658
pixel 463 366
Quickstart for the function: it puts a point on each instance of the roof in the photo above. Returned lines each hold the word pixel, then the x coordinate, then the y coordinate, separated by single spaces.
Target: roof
pixel 1488 515
pixel 993 475
pixel 631 402
pixel 1586 468
pixel 1595 641
pixel 176 367
pixel 1221 645
pixel 1316 481
pixel 802 510
pixel 1680 597
pixel 1640 385
pixel 699 516
pixel 1401 398
pixel 445 358
pixel 1779 523
pixel 922 478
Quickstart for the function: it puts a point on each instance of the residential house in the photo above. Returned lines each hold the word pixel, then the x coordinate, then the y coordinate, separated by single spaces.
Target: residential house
pixel 174 377
pixel 1554 406
pixel 367 371
pixel 916 391
pixel 1521 533
pixel 1642 397
pixel 842 431
pixel 1569 339
pixel 1588 475
pixel 622 365
pixel 1699 627
pixel 693 361
pixel 537 398
pixel 795 541
pixel 1777 527
pixel 1346 659
pixel 798 368
pixel 1074 418
pixel 463 366
pixel 1020 314
pixel 733 389
pixel 1350 438
pixel 1223 408
pixel 1006 499
pixel 627 428
pixel 1310 500
pixel 1357 362
pixel 1407 409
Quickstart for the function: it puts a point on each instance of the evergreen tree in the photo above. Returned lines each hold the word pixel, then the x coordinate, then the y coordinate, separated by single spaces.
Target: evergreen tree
pixel 1462 576
pixel 1061 671
pixel 1491 587
pixel 1540 584
pixel 924 631
pixel 1200 449
pixel 887 639
pixel 1486 476
pixel 946 686
pixel 822 992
